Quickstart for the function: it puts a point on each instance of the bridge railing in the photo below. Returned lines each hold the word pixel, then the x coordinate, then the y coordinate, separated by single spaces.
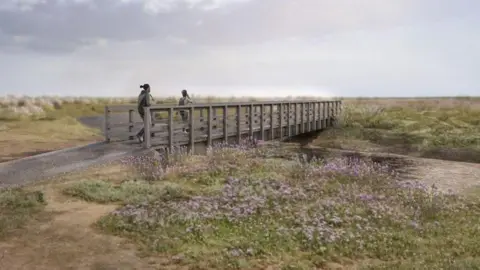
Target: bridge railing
pixel 164 126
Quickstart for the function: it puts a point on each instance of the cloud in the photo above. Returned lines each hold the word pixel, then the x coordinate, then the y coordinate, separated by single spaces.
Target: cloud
pixel 64 25
pixel 315 46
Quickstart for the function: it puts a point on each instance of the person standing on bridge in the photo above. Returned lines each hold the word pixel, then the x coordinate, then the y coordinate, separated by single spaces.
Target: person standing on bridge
pixel 144 100
pixel 183 101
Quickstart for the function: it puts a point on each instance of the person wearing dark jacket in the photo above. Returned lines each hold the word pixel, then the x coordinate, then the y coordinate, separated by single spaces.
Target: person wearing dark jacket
pixel 144 100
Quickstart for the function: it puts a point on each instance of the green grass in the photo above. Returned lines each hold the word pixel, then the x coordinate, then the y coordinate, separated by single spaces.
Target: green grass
pixel 129 192
pixel 398 228
pixel 17 207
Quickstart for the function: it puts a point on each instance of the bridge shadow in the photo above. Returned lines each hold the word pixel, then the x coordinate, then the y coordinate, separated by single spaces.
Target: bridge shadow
pixel 304 139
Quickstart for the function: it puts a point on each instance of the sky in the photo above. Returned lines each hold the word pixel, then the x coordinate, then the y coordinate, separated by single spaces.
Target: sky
pixel 240 47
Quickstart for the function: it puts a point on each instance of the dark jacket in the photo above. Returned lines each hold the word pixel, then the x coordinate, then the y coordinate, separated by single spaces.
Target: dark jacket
pixel 143 101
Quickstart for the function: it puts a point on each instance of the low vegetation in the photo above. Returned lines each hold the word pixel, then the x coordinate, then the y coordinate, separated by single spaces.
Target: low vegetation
pixel 246 208
pixel 17 207
pixel 444 128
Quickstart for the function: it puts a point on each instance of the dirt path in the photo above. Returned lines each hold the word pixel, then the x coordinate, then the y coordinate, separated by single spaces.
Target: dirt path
pixel 67 240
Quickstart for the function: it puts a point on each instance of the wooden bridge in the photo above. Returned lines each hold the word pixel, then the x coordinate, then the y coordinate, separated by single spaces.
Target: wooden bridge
pixel 218 122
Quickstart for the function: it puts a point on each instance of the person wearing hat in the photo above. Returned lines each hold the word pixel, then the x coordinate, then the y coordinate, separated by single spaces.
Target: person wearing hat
pixel 183 101
pixel 144 100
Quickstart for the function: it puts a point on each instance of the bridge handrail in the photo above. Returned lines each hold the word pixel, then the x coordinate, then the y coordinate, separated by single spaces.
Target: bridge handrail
pixel 159 107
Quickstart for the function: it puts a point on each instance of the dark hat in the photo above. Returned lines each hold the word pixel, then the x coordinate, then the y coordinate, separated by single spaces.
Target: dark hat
pixel 145 86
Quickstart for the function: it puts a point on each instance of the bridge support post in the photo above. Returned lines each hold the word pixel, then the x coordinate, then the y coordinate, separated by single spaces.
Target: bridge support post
pixel 239 124
pixel 130 124
pixel 250 122
pixel 314 113
pixel 262 122
pixel 302 118
pixel 225 124
pixel 147 125
pixel 281 120
pixel 210 123
pixel 272 130
pixel 191 133
pixel 324 115
pixel 329 114
pixel 171 137
pixel 296 119
pixel 107 124
pixel 309 118
pixel 289 121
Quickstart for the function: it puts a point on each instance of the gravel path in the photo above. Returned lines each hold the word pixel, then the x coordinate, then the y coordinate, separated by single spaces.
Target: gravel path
pixel 40 167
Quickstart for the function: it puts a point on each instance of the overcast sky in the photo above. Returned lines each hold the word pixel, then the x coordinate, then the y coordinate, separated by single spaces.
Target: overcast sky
pixel 240 47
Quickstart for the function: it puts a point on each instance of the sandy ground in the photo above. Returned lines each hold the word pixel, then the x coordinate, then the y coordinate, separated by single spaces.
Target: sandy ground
pixel 68 241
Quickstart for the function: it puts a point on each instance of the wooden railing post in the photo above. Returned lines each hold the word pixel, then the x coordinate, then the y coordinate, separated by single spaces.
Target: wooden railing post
pixel 324 114
pixel 130 124
pixel 309 124
pixel 107 124
pixel 225 124
pixel 192 130
pixel 147 125
pixel 319 115
pixel 272 133
pixel 314 114
pixel 281 120
pixel 210 124
pixel 171 136
pixel 239 123
pixel 262 122
pixel 250 126
pixel 289 122
pixel 328 114
pixel 296 120
pixel 302 130
pixel 340 111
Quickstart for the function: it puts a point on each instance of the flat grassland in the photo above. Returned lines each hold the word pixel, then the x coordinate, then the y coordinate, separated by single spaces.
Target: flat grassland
pixel 268 207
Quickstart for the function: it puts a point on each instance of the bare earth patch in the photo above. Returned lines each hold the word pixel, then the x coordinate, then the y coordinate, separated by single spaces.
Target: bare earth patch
pixel 67 239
